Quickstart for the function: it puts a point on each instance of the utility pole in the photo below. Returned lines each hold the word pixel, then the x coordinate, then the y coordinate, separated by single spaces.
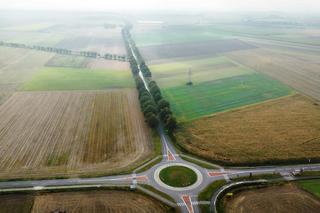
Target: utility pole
pixel 189 77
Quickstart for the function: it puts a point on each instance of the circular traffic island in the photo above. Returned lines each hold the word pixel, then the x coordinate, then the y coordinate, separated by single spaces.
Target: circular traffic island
pixel 178 176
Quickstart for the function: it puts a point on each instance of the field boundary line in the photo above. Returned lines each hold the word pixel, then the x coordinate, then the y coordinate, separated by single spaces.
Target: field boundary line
pixel 201 161
pixel 156 196
pixel 147 163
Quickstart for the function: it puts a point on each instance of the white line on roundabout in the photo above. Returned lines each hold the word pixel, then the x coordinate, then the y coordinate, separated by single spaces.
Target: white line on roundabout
pixel 162 184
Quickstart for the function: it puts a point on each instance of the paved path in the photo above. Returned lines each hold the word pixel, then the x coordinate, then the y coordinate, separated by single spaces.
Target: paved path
pixel 186 198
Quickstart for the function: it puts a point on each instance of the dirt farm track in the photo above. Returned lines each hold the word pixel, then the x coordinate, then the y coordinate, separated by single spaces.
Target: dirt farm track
pixel 71 133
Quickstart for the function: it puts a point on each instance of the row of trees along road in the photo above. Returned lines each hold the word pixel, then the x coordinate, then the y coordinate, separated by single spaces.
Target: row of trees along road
pixel 153 105
pixel 63 51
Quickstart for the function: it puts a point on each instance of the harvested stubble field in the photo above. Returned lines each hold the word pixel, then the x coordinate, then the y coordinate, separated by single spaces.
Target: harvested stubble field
pixel 195 49
pixel 280 199
pixel 299 73
pixel 205 69
pixel 203 99
pixel 275 131
pixel 71 134
pixel 77 202
pixel 17 66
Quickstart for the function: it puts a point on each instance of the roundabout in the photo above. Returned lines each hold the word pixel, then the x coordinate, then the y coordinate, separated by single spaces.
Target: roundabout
pixel 178 177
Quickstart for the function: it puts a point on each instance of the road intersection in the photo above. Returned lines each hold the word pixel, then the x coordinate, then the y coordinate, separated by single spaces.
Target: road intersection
pixel 186 198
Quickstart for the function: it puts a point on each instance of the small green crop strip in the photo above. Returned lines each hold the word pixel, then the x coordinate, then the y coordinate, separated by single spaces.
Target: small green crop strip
pixel 178 176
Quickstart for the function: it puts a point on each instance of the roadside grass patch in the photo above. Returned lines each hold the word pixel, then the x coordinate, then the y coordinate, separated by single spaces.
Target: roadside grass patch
pixel 312 186
pixel 77 79
pixel 192 102
pixel 178 176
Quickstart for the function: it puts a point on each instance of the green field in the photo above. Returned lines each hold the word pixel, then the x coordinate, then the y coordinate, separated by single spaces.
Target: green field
pixel 312 186
pixel 68 61
pixel 77 79
pixel 191 102
pixel 207 69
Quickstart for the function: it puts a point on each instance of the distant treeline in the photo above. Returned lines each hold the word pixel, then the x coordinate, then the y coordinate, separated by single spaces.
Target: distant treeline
pixel 153 105
pixel 63 51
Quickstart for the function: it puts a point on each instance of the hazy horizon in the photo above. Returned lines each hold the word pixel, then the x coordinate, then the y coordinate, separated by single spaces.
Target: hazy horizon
pixel 293 6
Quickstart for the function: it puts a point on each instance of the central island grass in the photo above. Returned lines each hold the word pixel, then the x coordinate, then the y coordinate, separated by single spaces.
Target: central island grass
pixel 178 176
pixel 192 102
pixel 312 186
pixel 78 79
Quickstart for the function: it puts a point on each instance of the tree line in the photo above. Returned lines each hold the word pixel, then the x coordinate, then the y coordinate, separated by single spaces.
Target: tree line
pixel 62 51
pixel 152 103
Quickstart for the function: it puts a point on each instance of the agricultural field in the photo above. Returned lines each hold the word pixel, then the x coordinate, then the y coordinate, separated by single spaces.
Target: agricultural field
pixel 194 49
pixel 49 78
pixel 78 202
pixel 252 134
pixel 158 35
pixel 17 66
pixel 195 32
pixel 207 69
pixel 108 64
pixel 203 99
pixel 72 133
pixel 284 198
pixel 295 71
pixel 16 203
pixel 68 61
pixel 312 186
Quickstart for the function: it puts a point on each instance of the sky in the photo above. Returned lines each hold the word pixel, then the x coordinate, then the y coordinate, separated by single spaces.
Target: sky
pixel 216 5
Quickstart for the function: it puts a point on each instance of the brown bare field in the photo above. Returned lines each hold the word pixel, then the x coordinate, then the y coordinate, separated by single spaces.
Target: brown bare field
pixel 273 131
pixel 108 64
pixel 195 49
pixel 17 66
pixel 301 73
pixel 285 198
pixel 99 201
pixel 14 203
pixel 71 134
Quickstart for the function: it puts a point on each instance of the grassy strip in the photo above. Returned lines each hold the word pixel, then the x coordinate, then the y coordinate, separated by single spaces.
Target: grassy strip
pixel 312 186
pixel 206 194
pixel 164 195
pixel 199 162
pixel 308 173
pixel 256 177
